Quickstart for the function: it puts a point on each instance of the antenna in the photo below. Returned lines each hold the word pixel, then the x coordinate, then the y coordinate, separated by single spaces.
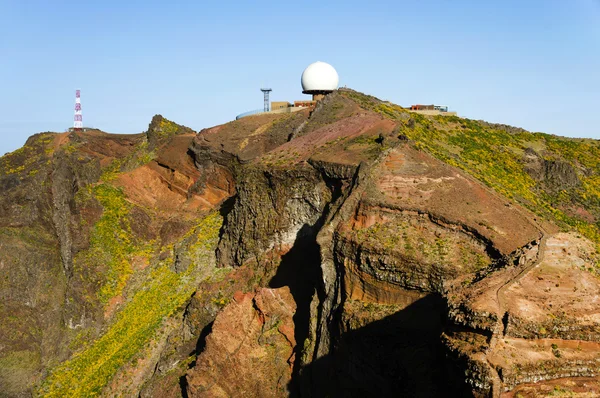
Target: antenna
pixel 266 92
pixel 78 122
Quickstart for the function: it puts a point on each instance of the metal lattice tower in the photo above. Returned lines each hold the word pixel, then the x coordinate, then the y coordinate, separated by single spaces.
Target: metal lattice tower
pixel 78 121
pixel 266 92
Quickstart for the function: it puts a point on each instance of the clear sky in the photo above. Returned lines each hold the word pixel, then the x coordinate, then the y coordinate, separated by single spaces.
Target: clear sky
pixel 529 63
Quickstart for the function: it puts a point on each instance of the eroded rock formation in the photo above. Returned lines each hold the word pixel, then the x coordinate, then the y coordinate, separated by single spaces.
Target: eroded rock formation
pixel 250 350
pixel 357 250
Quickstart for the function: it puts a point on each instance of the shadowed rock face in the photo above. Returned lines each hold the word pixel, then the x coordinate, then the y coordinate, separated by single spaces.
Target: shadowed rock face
pixel 321 254
pixel 410 250
pixel 555 175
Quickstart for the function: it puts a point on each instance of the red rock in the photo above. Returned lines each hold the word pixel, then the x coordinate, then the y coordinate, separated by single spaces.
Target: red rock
pixel 250 349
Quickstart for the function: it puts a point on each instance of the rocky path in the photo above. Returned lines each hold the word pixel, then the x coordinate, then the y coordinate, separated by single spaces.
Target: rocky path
pixel 500 330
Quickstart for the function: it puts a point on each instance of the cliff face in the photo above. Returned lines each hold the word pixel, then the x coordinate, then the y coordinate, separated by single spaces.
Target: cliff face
pixel 357 250
pixel 254 327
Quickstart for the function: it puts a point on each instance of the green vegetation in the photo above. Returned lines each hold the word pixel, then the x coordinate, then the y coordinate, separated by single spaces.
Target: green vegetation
pixel 285 124
pixel 26 157
pixel 164 293
pixel 559 391
pixel 368 145
pixel 167 128
pixel 494 155
pixel 555 351
pixel 34 236
pixel 138 157
pixel 363 100
pixel 424 245
pixel 162 129
pixel 17 369
pixel 220 300
pixel 111 240
pixel 112 244
pixel 330 111
pixel 391 111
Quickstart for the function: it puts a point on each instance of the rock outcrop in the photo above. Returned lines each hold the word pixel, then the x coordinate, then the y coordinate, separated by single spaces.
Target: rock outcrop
pixel 250 351
pixel 355 250
pixel 409 248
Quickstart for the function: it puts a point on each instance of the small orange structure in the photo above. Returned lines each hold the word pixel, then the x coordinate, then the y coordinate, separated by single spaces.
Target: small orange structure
pixel 305 104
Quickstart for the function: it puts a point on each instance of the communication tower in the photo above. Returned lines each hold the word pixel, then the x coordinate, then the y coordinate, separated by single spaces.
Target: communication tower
pixel 266 92
pixel 78 121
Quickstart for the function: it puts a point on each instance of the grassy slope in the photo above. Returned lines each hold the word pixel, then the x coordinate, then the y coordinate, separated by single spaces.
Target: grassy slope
pixel 164 293
pixel 112 249
pixel 494 155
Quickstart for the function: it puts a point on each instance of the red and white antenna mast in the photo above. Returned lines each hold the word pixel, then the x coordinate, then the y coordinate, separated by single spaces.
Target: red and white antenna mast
pixel 78 124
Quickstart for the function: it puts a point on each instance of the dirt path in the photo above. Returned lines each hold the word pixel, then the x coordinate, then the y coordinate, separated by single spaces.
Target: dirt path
pixel 501 290
pixel 500 327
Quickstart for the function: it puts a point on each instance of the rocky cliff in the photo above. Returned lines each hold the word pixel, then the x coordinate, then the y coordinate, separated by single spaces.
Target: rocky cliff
pixel 355 250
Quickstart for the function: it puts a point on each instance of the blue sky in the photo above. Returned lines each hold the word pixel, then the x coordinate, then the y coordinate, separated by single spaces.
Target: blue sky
pixel 529 63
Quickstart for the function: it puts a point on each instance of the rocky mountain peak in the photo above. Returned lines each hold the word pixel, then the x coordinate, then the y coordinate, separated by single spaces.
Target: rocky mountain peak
pixel 357 249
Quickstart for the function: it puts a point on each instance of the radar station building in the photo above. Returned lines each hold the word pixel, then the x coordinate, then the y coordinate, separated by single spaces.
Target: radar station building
pixel 318 80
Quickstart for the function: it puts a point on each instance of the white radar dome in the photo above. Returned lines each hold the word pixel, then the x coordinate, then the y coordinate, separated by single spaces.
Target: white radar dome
pixel 319 77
